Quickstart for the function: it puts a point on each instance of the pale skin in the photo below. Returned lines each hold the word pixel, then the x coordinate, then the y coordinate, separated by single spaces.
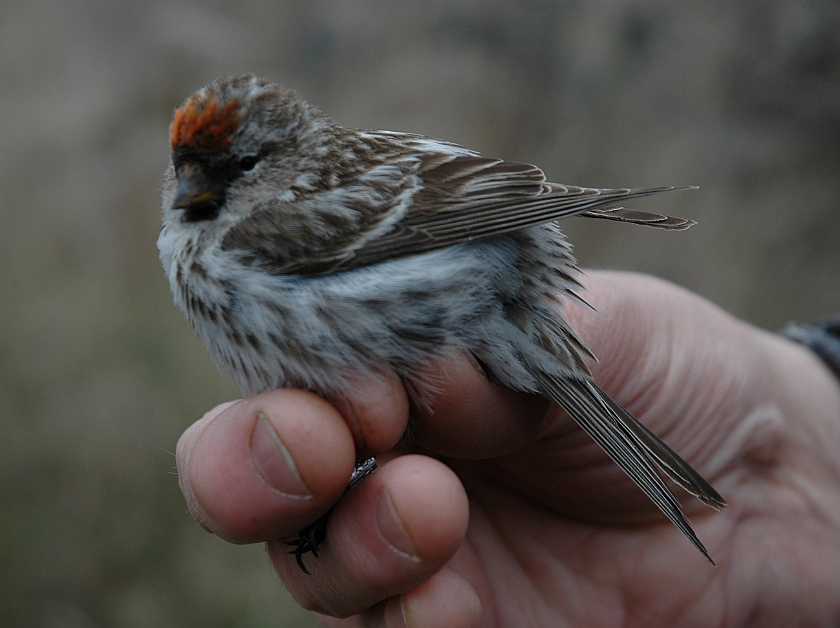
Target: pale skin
pixel 506 514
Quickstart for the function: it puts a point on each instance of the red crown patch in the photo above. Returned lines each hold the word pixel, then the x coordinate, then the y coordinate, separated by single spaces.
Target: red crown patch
pixel 203 122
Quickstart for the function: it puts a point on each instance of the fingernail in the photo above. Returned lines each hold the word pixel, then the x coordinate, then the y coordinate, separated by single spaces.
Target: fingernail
pixel 391 527
pixel 273 462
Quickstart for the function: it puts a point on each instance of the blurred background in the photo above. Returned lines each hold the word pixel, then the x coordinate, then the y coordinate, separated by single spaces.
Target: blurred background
pixel 100 374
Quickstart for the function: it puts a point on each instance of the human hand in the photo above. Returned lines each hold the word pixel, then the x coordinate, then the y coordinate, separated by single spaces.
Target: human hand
pixel 528 522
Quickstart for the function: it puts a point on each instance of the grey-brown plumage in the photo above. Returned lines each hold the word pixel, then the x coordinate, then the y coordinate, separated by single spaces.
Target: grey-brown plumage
pixel 303 252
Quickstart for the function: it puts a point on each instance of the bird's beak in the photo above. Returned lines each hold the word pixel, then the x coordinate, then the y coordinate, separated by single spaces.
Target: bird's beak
pixel 189 196
pixel 198 194
pixel 196 191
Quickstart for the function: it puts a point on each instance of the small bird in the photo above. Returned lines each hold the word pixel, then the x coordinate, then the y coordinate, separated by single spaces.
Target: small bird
pixel 304 253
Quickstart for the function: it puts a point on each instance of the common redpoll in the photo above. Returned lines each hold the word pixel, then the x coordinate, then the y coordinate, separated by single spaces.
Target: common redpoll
pixel 304 253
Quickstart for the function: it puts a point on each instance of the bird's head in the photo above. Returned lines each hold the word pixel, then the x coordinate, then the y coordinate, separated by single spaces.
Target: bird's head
pixel 234 144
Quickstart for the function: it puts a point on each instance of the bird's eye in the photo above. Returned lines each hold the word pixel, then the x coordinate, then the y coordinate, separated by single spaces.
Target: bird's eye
pixel 248 162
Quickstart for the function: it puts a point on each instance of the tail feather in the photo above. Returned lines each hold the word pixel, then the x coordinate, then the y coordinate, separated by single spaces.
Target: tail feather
pixel 633 447
pixel 667 459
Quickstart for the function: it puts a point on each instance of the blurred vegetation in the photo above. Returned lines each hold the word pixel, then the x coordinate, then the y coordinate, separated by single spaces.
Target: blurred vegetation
pixel 99 375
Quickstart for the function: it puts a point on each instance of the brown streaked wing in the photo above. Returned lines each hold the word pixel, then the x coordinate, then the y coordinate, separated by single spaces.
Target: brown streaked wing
pixel 470 198
pixel 470 179
pixel 488 199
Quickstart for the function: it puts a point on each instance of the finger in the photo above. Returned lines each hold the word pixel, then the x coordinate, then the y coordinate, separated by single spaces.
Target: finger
pixel 627 310
pixel 643 328
pixel 681 365
pixel 266 466
pixel 375 410
pixel 446 600
pixel 183 453
pixel 673 359
pixel 472 417
pixel 386 537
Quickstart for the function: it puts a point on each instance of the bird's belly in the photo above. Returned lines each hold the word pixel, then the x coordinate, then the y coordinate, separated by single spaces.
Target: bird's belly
pixel 316 332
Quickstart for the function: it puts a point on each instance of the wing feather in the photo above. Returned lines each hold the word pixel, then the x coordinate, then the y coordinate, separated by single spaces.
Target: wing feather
pixel 461 197
pixel 472 221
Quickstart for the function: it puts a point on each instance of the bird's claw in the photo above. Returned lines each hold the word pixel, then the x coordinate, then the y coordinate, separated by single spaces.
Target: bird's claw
pixel 310 538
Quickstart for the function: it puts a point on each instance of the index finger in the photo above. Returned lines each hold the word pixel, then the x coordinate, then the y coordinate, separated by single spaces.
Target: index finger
pixel 472 417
